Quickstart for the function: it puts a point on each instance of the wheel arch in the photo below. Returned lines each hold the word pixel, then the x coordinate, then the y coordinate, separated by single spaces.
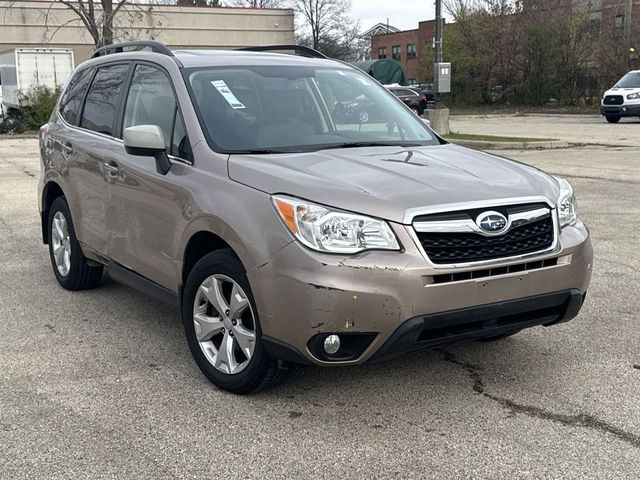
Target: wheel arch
pixel 200 244
pixel 50 192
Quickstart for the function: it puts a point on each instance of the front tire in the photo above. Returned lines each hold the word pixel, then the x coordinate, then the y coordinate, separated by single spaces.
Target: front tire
pixel 222 326
pixel 613 118
pixel 69 264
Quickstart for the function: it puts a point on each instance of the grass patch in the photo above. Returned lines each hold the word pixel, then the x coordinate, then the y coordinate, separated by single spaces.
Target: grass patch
pixel 524 110
pixel 492 138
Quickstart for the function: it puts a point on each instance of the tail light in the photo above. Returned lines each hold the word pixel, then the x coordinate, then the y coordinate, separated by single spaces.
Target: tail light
pixel 42 134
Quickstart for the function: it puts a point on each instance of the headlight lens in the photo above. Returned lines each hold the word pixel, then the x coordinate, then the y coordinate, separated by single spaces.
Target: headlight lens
pixel 633 96
pixel 566 204
pixel 327 230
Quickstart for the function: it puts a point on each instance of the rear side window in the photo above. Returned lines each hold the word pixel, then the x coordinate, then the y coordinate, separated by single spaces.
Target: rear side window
pixel 103 98
pixel 72 98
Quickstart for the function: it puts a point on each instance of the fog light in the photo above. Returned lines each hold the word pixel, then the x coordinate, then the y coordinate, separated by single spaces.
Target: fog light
pixel 331 344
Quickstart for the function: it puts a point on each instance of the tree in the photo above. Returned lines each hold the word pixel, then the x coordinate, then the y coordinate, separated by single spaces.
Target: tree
pixel 323 20
pixel 99 17
pixel 98 21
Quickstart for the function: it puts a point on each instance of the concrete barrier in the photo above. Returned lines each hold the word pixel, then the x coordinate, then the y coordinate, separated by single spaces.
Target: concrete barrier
pixel 439 118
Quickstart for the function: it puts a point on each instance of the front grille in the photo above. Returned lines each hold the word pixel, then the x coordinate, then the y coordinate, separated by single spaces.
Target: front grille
pixel 456 247
pixel 492 272
pixel 613 100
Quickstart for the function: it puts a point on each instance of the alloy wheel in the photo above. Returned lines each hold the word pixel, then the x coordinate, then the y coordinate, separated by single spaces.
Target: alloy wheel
pixel 224 324
pixel 61 243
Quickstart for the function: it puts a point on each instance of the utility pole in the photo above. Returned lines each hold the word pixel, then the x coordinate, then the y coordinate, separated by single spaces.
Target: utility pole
pixel 628 7
pixel 438 37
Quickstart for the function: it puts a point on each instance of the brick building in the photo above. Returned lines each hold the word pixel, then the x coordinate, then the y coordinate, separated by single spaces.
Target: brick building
pixel 405 46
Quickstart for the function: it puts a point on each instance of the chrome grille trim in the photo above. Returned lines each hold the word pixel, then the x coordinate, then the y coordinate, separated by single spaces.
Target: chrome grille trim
pixel 469 226
pixel 521 218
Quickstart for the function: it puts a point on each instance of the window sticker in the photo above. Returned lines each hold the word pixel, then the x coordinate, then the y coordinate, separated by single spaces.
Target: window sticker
pixel 227 94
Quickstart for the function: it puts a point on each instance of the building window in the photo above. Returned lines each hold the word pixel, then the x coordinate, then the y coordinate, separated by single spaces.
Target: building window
pixel 618 21
pixel 382 52
pixel 411 50
pixel 395 52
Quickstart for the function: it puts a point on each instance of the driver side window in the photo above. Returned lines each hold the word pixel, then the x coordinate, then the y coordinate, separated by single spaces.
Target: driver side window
pixel 151 101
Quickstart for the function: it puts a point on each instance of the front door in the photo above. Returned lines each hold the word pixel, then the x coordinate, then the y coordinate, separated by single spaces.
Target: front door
pixel 146 208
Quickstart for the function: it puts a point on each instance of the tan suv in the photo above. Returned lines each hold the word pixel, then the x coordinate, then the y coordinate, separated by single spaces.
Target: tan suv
pixel 243 187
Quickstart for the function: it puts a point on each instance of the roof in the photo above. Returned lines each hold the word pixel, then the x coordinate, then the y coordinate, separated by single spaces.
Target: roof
pixel 210 58
pixel 377 29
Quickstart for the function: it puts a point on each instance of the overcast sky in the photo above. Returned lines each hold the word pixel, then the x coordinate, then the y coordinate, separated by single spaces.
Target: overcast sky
pixel 403 14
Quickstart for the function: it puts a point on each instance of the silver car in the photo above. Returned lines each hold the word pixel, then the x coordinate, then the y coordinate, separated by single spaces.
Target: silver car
pixel 224 183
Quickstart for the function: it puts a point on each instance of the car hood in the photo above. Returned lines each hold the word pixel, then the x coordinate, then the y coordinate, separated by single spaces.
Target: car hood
pixel 621 91
pixel 387 181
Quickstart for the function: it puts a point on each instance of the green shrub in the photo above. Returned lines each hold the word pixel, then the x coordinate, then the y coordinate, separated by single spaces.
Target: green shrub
pixel 36 105
pixel 11 124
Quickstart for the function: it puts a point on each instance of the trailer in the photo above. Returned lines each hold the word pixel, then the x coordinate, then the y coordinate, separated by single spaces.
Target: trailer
pixel 23 68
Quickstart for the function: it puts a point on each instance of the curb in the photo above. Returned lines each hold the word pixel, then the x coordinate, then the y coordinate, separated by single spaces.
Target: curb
pixel 532 145
pixel 18 136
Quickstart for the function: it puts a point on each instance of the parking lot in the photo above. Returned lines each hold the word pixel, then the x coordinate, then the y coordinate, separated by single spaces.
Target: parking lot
pixel 100 384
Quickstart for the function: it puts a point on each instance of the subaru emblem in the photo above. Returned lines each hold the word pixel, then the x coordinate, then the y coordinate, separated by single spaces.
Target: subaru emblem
pixel 492 222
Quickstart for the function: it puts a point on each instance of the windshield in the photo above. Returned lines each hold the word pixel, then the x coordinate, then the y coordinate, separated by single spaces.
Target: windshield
pixel 265 109
pixel 630 80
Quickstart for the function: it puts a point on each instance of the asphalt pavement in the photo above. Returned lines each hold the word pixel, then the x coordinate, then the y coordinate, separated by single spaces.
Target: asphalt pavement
pixel 100 384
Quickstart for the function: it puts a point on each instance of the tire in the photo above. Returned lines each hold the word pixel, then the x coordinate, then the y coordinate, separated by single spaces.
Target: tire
pixel 613 118
pixel 416 110
pixel 221 271
pixel 76 274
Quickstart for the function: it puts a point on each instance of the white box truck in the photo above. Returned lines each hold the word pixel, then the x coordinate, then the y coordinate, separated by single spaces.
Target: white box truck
pixel 22 68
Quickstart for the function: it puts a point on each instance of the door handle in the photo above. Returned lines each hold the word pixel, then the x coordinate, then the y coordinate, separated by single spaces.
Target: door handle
pixel 67 149
pixel 112 169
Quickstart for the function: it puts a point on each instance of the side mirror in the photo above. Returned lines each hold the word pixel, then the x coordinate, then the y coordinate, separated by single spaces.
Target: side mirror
pixel 147 141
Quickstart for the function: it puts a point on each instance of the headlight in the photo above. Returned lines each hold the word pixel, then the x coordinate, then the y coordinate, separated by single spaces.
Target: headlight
pixel 566 204
pixel 327 230
pixel 633 96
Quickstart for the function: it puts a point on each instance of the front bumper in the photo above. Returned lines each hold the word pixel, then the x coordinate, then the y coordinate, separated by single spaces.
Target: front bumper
pixel 621 110
pixel 303 295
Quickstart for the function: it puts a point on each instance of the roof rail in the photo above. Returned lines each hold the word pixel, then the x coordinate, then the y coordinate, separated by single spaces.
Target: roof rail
pixel 298 49
pixel 154 45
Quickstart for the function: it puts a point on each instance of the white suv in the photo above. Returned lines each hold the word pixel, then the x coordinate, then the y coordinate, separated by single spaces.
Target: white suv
pixel 623 100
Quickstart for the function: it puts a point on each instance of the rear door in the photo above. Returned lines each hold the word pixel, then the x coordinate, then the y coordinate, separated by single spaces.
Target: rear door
pixel 91 149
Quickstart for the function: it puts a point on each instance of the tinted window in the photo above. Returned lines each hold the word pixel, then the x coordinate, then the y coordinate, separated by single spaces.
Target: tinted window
pixel 150 101
pixel 103 98
pixel 72 98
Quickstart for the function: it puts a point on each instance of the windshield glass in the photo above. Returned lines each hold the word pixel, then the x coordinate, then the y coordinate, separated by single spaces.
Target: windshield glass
pixel 630 80
pixel 264 109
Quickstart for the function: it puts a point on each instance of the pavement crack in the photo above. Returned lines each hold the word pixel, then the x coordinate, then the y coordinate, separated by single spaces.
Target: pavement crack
pixel 620 264
pixel 471 369
pixel 583 420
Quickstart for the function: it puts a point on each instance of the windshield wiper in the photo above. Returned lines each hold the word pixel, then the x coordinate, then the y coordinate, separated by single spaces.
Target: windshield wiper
pixel 256 151
pixel 372 144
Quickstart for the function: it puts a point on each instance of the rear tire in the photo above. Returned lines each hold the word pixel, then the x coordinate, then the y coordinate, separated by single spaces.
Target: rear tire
pixel 69 264
pixel 219 282
pixel 613 118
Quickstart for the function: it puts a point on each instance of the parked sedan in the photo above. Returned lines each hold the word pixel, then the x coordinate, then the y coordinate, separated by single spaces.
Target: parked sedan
pixel 412 97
